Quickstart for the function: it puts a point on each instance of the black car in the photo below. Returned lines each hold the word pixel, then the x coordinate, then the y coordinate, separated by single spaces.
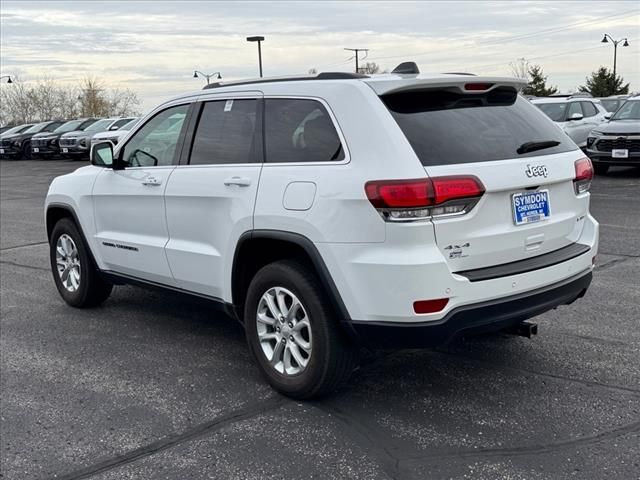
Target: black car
pixel 617 142
pixel 18 145
pixel 46 144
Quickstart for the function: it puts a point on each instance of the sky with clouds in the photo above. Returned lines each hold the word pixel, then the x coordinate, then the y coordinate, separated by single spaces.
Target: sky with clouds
pixel 153 47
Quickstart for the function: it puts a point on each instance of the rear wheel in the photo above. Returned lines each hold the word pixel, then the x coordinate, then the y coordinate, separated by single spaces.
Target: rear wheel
pixel 293 333
pixel 600 169
pixel 76 277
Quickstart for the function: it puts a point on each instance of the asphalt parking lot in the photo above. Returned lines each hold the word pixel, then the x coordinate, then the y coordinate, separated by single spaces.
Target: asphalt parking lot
pixel 155 386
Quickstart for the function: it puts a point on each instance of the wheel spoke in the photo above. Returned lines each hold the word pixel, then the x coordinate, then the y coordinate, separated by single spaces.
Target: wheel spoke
pixel 267 336
pixel 295 307
pixel 277 354
pixel 282 306
pixel 297 354
pixel 263 318
pixel 75 279
pixel 275 313
pixel 286 359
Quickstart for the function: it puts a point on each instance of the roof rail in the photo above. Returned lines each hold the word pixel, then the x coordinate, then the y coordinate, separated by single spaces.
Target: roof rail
pixel 320 76
pixel 459 73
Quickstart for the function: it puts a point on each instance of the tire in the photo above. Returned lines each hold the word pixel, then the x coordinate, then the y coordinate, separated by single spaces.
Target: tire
pixel 87 288
pixel 600 169
pixel 331 358
pixel 26 151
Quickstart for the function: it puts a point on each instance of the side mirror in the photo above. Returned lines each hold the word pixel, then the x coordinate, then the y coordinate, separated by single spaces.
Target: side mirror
pixel 608 115
pixel 114 127
pixel 102 154
pixel 576 116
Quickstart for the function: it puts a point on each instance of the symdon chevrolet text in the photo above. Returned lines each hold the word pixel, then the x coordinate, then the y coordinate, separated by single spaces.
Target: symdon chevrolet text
pixel 334 211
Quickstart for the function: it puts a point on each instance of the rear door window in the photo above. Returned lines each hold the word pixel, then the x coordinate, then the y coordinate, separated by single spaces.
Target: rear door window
pixel 589 109
pixel 574 107
pixel 300 130
pixel 226 133
pixel 446 127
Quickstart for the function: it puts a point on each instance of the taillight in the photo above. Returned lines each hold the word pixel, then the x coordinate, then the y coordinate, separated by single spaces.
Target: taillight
pixel 584 175
pixel 409 200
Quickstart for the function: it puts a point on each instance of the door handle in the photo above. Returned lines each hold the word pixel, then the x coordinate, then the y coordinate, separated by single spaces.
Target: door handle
pixel 152 182
pixel 239 181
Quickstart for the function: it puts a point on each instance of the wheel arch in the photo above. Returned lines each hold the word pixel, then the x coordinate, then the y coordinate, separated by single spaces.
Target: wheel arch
pixel 257 248
pixel 56 212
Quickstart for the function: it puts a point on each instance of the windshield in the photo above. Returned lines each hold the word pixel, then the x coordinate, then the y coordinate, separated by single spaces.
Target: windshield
pixel 68 127
pixel 99 125
pixel 555 111
pixel 445 127
pixel 629 111
pixel 127 126
pixel 16 129
pixel 610 105
pixel 37 127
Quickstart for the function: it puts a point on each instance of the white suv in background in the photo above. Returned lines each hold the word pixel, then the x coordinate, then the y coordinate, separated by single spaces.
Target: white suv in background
pixel 576 115
pixel 333 211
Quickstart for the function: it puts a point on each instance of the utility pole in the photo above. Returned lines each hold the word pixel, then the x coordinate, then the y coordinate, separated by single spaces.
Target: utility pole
pixel 356 52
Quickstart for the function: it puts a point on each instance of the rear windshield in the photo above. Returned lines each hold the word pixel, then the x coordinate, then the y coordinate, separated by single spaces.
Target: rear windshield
pixel 446 127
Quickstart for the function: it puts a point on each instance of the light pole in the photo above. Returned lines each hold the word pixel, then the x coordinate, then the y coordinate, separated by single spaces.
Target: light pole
pixel 208 77
pixel 8 77
pixel 615 52
pixel 259 40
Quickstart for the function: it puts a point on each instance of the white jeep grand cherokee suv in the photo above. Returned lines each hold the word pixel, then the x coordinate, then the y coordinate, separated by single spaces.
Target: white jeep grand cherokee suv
pixel 334 211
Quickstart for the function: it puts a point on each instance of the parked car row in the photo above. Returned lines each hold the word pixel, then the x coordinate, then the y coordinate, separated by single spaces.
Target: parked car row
pixel 57 138
pixel 607 129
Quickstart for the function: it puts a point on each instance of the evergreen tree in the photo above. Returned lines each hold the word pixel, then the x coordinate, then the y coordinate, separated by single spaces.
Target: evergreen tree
pixel 538 84
pixel 602 84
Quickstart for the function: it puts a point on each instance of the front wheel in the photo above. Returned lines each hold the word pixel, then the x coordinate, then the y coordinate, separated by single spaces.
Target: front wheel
pixel 293 334
pixel 76 277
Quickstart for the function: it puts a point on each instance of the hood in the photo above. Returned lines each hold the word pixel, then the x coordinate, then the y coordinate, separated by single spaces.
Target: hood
pixel 619 126
pixel 11 136
pixel 46 135
pixel 110 134
pixel 75 134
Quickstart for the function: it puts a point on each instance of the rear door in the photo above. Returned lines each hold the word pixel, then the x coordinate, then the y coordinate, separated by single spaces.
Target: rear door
pixel 211 195
pixel 493 136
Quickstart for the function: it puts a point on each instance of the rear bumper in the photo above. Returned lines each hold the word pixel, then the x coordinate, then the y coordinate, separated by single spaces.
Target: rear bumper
pixel 476 318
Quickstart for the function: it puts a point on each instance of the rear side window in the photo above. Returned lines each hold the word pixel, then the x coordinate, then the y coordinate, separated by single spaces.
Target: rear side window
pixel 589 109
pixel 226 133
pixel 446 127
pixel 300 130
pixel 574 107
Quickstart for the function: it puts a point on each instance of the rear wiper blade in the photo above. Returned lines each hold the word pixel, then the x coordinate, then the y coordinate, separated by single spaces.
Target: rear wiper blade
pixel 533 146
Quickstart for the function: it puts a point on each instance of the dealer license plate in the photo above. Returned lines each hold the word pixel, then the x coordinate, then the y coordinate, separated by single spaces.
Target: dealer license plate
pixel 65 150
pixel 36 150
pixel 620 153
pixel 1 151
pixel 530 207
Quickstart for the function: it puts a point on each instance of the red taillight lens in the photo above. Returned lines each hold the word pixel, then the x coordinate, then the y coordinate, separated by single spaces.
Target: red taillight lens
pixel 400 193
pixel 430 306
pixel 409 200
pixel 584 175
pixel 451 188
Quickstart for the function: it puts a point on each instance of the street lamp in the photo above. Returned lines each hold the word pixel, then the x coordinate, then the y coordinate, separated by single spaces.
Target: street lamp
pixel 259 40
pixel 615 50
pixel 8 77
pixel 208 77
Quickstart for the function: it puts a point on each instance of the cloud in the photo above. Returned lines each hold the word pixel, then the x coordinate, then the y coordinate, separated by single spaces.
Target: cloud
pixel 153 47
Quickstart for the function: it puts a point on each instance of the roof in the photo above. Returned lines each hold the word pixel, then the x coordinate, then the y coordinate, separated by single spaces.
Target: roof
pixel 562 99
pixel 381 84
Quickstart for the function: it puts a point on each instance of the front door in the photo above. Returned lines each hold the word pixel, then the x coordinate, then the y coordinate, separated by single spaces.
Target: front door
pixel 131 227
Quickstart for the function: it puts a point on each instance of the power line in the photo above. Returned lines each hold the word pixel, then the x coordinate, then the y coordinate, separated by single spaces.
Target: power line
pixel 521 36
pixel 357 51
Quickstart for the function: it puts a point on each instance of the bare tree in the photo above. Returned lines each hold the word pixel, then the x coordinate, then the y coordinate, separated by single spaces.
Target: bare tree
pixel 520 68
pixel 369 68
pixel 313 71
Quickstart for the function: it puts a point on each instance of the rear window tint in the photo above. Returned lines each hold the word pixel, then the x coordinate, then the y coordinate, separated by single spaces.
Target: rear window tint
pixel 445 127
